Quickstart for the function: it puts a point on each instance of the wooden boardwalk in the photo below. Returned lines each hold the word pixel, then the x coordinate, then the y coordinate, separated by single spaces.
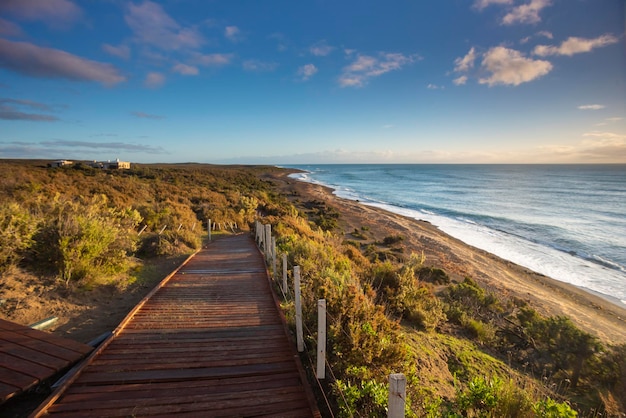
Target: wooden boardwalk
pixel 29 356
pixel 210 341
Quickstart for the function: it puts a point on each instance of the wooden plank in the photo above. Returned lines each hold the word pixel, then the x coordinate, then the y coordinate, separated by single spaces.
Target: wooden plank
pixel 35 356
pixel 8 362
pixel 259 400
pixel 209 342
pixel 28 356
pixel 25 340
pixel 149 393
pixel 44 336
pixel 184 374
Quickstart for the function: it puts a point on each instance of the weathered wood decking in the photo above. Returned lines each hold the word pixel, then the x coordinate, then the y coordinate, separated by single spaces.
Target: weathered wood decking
pixel 210 341
pixel 29 356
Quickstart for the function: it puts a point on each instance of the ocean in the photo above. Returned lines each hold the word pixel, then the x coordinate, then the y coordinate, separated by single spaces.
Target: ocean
pixel 567 222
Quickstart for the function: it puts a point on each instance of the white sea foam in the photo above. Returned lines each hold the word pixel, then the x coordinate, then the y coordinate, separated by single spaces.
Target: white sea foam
pixel 548 261
pixel 594 273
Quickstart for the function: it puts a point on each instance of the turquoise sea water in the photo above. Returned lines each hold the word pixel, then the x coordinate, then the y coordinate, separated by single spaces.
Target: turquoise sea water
pixel 565 221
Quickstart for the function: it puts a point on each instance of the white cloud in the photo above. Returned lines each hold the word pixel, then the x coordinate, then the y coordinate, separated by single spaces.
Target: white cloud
pixel 604 146
pixel 152 26
pixel 212 60
pixel 122 51
pixel 465 63
pixel 55 13
pixel 36 61
pixel 259 66
pixel 321 49
pixel 591 107
pixel 431 86
pixel 154 80
pixel 546 34
pixel 307 71
pixel 460 80
pixel 185 69
pixel 365 67
pixel 233 34
pixel 481 4
pixel 575 45
pixel 511 67
pixel 526 13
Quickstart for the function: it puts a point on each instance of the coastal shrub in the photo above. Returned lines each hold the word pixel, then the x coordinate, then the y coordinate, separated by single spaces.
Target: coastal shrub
pixel 168 243
pixel 433 275
pixel 559 345
pixel 480 398
pixel 491 397
pixel 392 239
pixel 17 227
pixel 363 398
pixel 469 298
pixel 485 333
pixel 86 239
pixel 549 408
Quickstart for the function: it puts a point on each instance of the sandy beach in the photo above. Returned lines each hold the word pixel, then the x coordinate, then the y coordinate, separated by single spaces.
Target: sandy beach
pixel 595 314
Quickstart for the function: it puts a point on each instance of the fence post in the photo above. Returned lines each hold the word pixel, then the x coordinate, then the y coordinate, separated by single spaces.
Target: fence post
pixel 321 339
pixel 209 229
pixel 142 229
pixel 268 242
pixel 273 246
pixel 397 395
pixel 162 229
pixel 296 288
pixel 285 289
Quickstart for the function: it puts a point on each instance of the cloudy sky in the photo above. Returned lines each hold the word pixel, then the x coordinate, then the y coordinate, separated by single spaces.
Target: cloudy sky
pixel 290 82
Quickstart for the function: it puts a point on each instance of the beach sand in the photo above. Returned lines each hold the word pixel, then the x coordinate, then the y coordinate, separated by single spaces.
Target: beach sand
pixel 593 313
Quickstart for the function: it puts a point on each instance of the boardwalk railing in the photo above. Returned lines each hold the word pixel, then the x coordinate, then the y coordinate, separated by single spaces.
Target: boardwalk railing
pixel 267 244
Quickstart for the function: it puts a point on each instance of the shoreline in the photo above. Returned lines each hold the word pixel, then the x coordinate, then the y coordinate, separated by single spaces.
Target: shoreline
pixel 593 312
pixel 545 269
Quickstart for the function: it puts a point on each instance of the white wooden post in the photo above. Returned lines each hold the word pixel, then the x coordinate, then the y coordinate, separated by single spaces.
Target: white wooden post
pixel 285 289
pixel 209 230
pixel 179 226
pixel 268 241
pixel 397 395
pixel 296 286
pixel 273 246
pixel 321 339
pixel 142 229
pixel 162 229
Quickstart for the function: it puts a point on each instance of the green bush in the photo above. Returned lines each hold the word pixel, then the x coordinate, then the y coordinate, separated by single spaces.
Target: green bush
pixel 549 408
pixel 86 239
pixel 17 227
pixel 364 398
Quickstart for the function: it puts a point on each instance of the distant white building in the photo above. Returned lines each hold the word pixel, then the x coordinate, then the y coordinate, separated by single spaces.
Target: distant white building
pixel 60 163
pixel 111 165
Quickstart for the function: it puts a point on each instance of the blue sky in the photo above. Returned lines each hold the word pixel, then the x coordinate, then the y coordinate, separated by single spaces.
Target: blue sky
pixel 293 82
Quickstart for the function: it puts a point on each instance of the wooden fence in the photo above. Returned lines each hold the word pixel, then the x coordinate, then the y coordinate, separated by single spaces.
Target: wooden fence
pixel 267 244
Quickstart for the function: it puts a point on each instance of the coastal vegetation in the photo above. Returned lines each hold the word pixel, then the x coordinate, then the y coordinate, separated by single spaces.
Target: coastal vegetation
pixel 466 351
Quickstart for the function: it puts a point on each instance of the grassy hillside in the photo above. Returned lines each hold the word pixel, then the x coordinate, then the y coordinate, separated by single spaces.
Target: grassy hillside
pixel 464 351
